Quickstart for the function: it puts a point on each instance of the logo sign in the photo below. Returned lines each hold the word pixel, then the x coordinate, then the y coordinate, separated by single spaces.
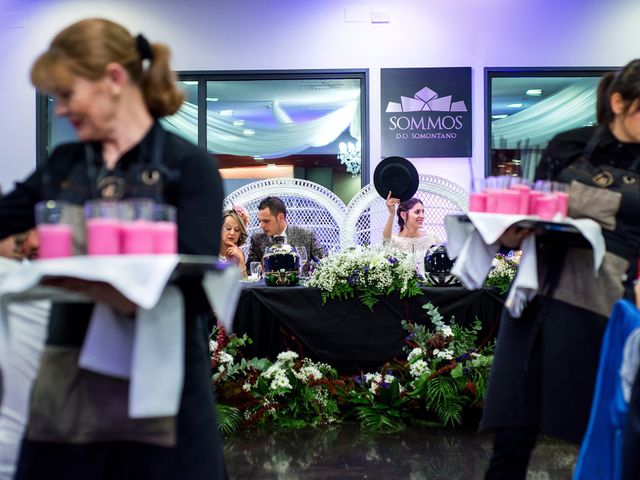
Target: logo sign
pixel 426 112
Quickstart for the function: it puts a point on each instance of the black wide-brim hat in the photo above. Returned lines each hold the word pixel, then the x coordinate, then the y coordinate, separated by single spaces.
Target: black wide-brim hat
pixel 398 175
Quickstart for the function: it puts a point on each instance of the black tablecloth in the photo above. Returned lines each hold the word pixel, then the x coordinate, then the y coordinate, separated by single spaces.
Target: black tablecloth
pixel 345 333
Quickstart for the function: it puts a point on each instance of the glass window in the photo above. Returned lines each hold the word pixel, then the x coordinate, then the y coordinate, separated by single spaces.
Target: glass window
pixel 299 124
pixel 184 122
pixel 527 108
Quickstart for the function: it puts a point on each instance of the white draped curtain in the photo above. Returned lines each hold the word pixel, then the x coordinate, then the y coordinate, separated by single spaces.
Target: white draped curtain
pixel 530 130
pixel 571 107
pixel 283 138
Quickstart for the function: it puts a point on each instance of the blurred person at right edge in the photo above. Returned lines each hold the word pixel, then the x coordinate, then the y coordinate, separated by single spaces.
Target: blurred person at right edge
pixel 546 361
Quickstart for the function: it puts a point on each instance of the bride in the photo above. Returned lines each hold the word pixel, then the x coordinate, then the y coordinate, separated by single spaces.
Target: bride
pixel 411 238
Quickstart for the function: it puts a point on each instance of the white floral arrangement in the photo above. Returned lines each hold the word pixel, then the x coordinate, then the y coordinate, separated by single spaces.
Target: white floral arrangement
pixel 365 272
pixel 503 270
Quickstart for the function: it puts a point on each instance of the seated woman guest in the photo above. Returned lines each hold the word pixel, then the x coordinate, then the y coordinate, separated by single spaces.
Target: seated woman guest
pixel 233 236
pixel 411 238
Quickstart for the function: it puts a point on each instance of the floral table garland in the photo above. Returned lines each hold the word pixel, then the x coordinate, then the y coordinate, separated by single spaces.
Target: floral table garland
pixel 367 273
pixel 445 373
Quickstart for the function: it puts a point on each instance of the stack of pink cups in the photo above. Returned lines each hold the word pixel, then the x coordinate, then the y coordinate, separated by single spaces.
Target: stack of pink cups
pixel 518 196
pixel 135 226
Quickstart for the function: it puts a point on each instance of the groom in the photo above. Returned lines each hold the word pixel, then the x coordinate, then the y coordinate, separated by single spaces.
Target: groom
pixel 272 216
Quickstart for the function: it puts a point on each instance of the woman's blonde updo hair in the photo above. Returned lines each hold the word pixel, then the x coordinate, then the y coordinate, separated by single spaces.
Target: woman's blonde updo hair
pixel 85 49
pixel 240 220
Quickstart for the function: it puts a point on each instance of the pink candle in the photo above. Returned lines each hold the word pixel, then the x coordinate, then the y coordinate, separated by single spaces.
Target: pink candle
pixel 478 202
pixel 508 201
pixel 103 236
pixel 492 200
pixel 524 191
pixel 55 240
pixel 546 206
pixel 563 203
pixel 165 237
pixel 533 198
pixel 137 237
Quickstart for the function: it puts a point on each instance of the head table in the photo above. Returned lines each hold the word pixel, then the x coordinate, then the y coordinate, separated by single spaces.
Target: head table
pixel 345 333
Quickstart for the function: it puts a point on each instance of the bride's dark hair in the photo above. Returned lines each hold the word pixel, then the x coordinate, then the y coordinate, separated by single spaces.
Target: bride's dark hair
pixel 405 207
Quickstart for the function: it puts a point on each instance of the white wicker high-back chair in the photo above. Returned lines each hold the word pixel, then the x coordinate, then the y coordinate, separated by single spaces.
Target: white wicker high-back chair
pixel 367 212
pixel 309 205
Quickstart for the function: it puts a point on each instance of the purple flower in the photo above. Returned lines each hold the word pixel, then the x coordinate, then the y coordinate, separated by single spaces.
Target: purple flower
pixel 392 260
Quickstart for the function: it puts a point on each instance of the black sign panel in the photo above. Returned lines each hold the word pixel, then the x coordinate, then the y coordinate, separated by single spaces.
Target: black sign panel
pixel 426 112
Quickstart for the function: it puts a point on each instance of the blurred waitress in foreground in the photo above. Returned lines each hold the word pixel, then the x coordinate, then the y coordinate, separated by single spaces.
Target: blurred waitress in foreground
pixel 546 361
pixel 113 87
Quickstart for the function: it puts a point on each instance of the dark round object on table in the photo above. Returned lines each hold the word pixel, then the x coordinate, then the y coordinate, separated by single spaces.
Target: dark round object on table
pixel 437 267
pixel 398 175
pixel 281 265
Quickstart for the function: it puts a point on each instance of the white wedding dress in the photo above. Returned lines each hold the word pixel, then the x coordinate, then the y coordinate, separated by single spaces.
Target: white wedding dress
pixel 416 247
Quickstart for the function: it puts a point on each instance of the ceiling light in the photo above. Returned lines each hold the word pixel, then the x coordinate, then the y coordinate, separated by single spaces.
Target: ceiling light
pixel 497 117
pixel 515 105
pixel 534 92
pixel 226 113
pixel 248 131
pixel 271 165
pixel 190 82
pixel 258 158
pixel 238 123
pixel 212 99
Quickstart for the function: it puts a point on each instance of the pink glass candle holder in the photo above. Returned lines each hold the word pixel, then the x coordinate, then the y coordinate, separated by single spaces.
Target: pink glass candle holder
pixel 165 229
pixel 546 206
pixel 103 227
pixel 136 223
pixel 563 203
pixel 524 191
pixel 478 202
pixel 55 240
pixel 492 200
pixel 137 237
pixel 508 201
pixel 55 236
pixel 534 195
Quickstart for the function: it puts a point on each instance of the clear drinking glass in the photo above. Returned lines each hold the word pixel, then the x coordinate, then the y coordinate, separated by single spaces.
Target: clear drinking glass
pixel 255 270
pixel 165 229
pixel 302 253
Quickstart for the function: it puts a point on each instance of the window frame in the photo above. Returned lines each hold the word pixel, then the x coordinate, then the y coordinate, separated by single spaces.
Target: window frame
pixel 515 72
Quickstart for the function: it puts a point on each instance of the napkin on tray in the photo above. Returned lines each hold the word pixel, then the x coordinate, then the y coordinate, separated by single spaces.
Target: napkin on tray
pixel 476 243
pixel 156 350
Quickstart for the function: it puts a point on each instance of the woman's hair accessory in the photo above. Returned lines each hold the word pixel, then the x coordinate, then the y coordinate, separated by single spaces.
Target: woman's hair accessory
pixel 145 51
pixel 242 213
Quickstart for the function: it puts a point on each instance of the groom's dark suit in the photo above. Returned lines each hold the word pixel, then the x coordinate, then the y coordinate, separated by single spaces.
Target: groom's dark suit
pixel 295 236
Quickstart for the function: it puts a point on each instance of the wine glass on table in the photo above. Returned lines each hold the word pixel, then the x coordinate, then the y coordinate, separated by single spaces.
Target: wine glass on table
pixel 302 253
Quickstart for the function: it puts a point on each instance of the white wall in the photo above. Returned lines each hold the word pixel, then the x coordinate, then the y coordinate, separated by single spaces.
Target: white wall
pixel 306 34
